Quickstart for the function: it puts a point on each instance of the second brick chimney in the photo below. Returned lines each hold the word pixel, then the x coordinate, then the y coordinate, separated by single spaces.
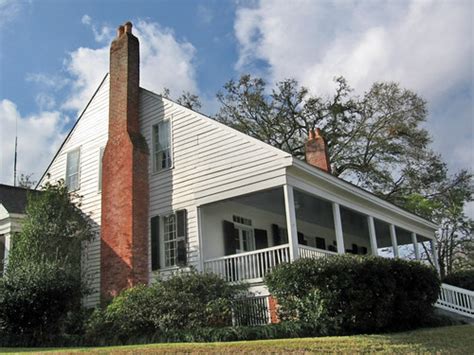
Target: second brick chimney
pixel 316 151
pixel 125 191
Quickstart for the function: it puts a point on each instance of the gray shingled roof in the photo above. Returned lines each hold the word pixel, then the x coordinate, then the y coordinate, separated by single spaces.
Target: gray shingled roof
pixel 13 198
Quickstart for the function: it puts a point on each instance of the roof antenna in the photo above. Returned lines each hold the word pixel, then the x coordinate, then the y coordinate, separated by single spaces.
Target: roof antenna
pixel 16 146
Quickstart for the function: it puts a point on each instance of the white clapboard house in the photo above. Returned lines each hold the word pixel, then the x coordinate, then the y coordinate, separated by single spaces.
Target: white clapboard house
pixel 168 188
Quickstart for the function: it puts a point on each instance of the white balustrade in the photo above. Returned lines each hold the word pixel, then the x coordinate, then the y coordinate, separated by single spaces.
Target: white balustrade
pixel 456 299
pixel 249 266
pixel 310 252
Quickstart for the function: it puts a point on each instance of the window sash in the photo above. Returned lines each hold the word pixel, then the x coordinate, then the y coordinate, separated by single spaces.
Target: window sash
pixel 72 169
pixel 162 145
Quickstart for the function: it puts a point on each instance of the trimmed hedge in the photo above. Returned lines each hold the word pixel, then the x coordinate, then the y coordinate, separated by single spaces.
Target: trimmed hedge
pixel 463 279
pixel 187 300
pixel 37 302
pixel 349 294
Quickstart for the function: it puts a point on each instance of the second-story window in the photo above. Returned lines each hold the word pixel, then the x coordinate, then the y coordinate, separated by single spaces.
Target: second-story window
pixel 72 170
pixel 162 146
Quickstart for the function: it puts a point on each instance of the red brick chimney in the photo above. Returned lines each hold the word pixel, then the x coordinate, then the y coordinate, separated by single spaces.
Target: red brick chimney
pixel 316 151
pixel 125 192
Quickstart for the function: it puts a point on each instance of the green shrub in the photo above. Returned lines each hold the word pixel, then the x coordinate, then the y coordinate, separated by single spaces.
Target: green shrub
pixel 185 301
pixel 463 279
pixel 347 294
pixel 36 301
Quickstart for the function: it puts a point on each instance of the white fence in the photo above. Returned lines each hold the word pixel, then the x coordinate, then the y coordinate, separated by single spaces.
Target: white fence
pixel 310 252
pixel 250 266
pixel 457 300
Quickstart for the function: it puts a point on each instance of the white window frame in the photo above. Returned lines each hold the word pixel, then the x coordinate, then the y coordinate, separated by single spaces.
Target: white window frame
pixel 164 264
pixel 78 172
pixel 240 230
pixel 3 254
pixel 154 128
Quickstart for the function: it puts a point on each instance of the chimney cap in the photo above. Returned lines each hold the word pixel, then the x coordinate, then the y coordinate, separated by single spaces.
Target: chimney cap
pixel 128 27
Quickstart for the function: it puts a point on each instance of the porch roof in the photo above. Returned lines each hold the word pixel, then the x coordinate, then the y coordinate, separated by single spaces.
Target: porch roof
pixel 354 190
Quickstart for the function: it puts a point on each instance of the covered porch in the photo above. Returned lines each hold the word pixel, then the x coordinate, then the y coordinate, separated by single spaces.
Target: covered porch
pixel 244 237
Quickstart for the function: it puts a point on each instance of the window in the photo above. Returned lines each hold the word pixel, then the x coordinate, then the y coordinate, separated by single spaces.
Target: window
pixel 162 146
pixel 101 155
pixel 243 235
pixel 72 170
pixel 168 240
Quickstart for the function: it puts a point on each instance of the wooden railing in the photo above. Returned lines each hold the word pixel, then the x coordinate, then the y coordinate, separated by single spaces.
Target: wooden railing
pixel 250 266
pixel 310 252
pixel 456 299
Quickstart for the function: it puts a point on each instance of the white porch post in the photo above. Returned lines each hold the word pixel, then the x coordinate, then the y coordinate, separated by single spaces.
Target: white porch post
pixel 415 246
pixel 372 235
pixel 393 237
pixel 291 222
pixel 434 251
pixel 200 238
pixel 336 212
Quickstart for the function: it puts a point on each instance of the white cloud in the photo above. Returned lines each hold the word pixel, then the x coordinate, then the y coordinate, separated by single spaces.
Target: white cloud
pixel 39 136
pixel 10 10
pixel 86 20
pixel 165 62
pixel 427 46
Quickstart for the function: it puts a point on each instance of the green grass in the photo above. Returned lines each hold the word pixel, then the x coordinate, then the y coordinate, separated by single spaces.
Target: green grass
pixel 449 340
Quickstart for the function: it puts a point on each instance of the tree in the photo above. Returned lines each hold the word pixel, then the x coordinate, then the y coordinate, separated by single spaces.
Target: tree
pixel 375 141
pixel 187 99
pixel 42 287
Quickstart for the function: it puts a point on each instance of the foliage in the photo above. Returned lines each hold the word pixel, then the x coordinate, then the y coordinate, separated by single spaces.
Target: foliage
pixel 185 301
pixel 35 302
pixel 463 279
pixel 345 294
pixel 41 292
pixel 52 231
pixel 186 99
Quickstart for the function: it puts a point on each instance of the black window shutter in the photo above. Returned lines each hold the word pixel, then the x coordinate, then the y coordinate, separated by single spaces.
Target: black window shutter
pixel 301 239
pixel 182 235
pixel 229 238
pixel 261 239
pixel 276 234
pixel 320 243
pixel 155 242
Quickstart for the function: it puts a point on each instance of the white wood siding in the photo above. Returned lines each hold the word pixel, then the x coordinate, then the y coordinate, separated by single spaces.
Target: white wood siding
pixel 89 134
pixel 211 162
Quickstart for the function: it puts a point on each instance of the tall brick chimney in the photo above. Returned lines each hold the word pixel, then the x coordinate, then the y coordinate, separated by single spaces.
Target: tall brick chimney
pixel 316 151
pixel 125 193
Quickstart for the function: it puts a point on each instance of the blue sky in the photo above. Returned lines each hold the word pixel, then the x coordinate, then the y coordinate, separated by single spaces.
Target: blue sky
pixel 53 54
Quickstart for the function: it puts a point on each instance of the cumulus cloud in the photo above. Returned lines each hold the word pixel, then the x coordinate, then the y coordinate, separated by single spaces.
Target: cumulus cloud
pixel 427 46
pixel 165 62
pixel 39 137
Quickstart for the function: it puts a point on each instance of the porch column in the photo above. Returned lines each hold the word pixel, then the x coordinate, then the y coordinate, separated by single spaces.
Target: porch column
pixel 199 228
pixel 336 212
pixel 434 251
pixel 291 222
pixel 393 237
pixel 372 235
pixel 415 246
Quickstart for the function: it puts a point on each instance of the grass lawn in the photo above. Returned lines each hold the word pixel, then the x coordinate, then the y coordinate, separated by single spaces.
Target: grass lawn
pixel 450 340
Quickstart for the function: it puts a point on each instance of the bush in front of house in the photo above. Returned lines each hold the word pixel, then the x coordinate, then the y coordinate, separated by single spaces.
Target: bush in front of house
pixel 349 294
pixel 41 291
pixel 185 301
pixel 463 279
pixel 36 302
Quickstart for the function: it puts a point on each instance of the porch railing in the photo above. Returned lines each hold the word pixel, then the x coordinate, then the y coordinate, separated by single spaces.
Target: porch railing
pixel 250 266
pixel 310 252
pixel 456 299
